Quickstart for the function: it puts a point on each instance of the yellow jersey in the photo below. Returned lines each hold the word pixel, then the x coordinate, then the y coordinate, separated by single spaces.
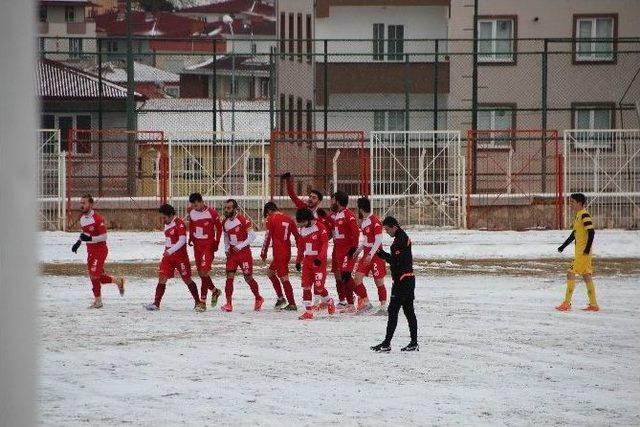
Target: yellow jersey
pixel 581 223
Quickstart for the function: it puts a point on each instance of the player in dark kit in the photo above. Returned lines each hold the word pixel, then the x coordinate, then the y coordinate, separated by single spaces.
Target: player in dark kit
pixel 400 260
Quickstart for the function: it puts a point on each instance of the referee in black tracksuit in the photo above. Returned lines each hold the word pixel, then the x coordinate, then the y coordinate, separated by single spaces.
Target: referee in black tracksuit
pixel 404 284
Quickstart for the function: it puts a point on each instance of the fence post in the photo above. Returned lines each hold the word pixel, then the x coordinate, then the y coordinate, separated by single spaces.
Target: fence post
pixel 407 88
pixel 326 108
pixel 214 89
pixel 474 95
pixel 271 84
pixel 100 117
pixel 435 88
pixel 545 55
pixel 131 108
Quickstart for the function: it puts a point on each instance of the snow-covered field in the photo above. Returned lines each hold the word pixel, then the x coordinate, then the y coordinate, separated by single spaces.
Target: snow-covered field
pixel 493 352
pixel 430 244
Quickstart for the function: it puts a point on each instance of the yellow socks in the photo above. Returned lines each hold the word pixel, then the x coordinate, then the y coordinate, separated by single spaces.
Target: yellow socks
pixel 571 286
pixel 591 293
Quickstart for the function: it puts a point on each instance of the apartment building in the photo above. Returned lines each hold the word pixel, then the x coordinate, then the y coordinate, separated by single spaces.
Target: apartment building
pixel 65 30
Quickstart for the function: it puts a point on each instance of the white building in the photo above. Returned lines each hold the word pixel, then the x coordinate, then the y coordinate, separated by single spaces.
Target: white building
pixel 65 28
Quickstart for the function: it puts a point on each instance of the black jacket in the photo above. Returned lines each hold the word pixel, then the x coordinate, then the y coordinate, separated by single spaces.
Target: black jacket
pixel 399 256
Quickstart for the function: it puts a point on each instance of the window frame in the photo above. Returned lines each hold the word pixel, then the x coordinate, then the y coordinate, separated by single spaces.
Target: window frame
pixel 43 14
pixel 510 143
pixel 577 60
pixel 514 39
pixel 192 168
pixel 73 53
pixel 283 34
pixel 378 41
pixel 393 55
pixel 309 36
pixel 255 169
pixel 69 14
pixel 299 36
pixel 592 107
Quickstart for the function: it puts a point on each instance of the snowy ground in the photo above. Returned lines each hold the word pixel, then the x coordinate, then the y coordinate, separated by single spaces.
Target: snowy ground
pixel 432 245
pixel 493 352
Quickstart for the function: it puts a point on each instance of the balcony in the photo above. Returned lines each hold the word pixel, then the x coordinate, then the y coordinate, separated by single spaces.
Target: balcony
pixel 323 6
pixel 76 27
pixel 382 77
pixel 43 27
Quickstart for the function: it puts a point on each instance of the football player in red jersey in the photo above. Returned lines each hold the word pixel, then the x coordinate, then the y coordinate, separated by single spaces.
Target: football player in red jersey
pixel 174 258
pixel 205 231
pixel 279 229
pixel 370 263
pixel 312 259
pixel 346 236
pixel 238 235
pixel 94 234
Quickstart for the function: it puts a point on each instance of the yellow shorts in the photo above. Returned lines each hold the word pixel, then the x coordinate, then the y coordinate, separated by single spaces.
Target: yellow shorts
pixel 581 264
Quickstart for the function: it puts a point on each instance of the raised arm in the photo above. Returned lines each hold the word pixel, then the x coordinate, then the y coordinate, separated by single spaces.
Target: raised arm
pixel 291 191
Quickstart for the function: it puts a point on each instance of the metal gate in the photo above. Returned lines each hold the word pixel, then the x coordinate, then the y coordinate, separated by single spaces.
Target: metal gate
pixel 51 189
pixel 220 166
pixel 418 177
pixel 605 165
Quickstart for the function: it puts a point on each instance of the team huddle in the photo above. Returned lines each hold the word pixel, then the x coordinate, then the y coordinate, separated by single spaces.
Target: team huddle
pixel 356 253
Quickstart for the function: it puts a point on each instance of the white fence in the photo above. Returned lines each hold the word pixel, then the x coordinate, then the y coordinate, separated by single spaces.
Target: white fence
pixel 418 176
pixel 51 178
pixel 220 166
pixel 605 165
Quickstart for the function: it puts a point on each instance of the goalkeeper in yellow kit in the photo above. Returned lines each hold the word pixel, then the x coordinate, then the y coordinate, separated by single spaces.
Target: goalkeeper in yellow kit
pixel 583 234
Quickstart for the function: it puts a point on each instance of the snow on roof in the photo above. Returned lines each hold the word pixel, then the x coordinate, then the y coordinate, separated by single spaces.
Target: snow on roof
pixel 117 72
pixel 56 80
pixel 224 62
pixel 149 24
pixel 233 6
pixel 191 118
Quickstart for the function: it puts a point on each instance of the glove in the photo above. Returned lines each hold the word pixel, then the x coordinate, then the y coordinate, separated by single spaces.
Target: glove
pixel 215 247
pixel 321 213
pixel 560 249
pixel 285 175
pixel 298 266
pixel 585 252
pixel 75 246
pixel 351 252
pixel 85 237
pixel 317 262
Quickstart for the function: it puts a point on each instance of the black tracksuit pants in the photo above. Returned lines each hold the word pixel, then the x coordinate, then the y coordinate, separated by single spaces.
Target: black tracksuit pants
pixel 402 296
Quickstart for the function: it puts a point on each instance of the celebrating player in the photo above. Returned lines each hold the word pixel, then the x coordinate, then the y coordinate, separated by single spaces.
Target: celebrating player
pixel 205 230
pixel 312 259
pixel 583 233
pixel 279 228
pixel 175 257
pixel 400 260
pixel 371 241
pixel 238 235
pixel 346 236
pixel 94 234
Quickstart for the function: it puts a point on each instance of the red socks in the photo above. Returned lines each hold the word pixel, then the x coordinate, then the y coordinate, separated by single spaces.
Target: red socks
pixel 382 293
pixel 207 284
pixel 159 293
pixel 288 291
pixel 95 287
pixel 306 298
pixel 254 287
pixel 193 288
pixel 276 285
pixel 341 289
pixel 228 289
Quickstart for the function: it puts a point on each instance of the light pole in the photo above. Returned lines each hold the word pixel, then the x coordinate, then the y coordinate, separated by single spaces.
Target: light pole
pixel 227 19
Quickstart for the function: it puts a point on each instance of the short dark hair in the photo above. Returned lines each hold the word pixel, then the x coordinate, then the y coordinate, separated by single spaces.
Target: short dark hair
pixel 89 197
pixel 341 197
pixel 234 202
pixel 304 214
pixel 390 222
pixel 269 207
pixel 167 210
pixel 364 204
pixel 317 193
pixel 579 197
pixel 195 197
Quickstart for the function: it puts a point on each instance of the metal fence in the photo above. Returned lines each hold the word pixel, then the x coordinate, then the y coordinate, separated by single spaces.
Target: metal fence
pixel 51 178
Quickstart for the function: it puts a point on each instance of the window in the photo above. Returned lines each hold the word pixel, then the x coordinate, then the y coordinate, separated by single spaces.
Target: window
pixel 498 118
pixel 299 114
pixel 299 33
pixel 388 120
pixel 192 168
pixel 48 121
pixel 378 42
pixel 291 36
pixel 41 47
pixel 112 46
pixel 69 14
pixel 255 167
pixel 309 116
pixel 283 33
pixel 595 34
pixel 496 40
pixel 202 18
pixel 395 42
pixel 309 37
pixel 254 48
pixel 283 117
pixel 75 48
pixel 43 14
pixel 264 88
pixel 593 118
pixel 291 107
pixel 173 92
pixel 83 143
